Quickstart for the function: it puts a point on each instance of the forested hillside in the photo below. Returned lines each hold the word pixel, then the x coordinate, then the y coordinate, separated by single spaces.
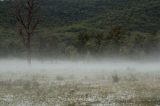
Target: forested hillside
pixel 73 27
pixel 136 15
pixel 142 15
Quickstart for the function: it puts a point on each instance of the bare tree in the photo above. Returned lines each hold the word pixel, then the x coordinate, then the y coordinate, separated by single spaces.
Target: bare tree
pixel 27 20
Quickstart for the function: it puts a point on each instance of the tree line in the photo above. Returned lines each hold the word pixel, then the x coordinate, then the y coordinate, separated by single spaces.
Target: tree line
pixel 71 43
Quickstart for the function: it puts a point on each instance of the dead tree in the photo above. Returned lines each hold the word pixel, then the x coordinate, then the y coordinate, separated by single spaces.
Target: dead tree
pixel 27 20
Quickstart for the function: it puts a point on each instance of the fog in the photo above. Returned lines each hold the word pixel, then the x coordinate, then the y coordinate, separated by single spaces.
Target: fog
pixel 61 82
pixel 78 65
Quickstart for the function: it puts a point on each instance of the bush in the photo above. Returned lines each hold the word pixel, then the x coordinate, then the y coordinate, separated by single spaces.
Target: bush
pixel 59 78
pixel 115 78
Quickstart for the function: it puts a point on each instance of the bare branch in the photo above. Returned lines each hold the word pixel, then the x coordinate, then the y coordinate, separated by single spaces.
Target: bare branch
pixel 27 21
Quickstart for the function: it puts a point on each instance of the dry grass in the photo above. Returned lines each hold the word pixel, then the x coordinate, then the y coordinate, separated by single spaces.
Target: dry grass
pixel 131 89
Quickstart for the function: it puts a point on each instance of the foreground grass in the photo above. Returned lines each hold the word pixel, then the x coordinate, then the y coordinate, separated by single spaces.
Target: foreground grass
pixel 132 89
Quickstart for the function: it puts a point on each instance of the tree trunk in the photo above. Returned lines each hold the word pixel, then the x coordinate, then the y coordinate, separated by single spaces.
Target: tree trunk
pixel 29 50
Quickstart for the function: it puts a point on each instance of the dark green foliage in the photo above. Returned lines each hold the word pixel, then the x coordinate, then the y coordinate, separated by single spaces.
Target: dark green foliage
pixel 82 40
pixel 139 15
pixel 74 28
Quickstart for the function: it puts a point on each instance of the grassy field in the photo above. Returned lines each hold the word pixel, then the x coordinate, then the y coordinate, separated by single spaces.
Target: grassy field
pixel 98 88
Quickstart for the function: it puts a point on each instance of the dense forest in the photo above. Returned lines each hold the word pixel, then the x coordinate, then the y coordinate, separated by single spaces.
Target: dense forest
pixel 73 28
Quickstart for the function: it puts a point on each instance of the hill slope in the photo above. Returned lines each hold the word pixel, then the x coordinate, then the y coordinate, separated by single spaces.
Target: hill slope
pixel 142 15
pixel 75 27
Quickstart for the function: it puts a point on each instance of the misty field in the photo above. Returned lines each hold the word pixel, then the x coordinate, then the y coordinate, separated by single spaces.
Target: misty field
pixel 48 86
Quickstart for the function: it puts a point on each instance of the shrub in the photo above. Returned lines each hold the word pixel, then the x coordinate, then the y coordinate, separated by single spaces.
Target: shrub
pixel 115 78
pixel 59 78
